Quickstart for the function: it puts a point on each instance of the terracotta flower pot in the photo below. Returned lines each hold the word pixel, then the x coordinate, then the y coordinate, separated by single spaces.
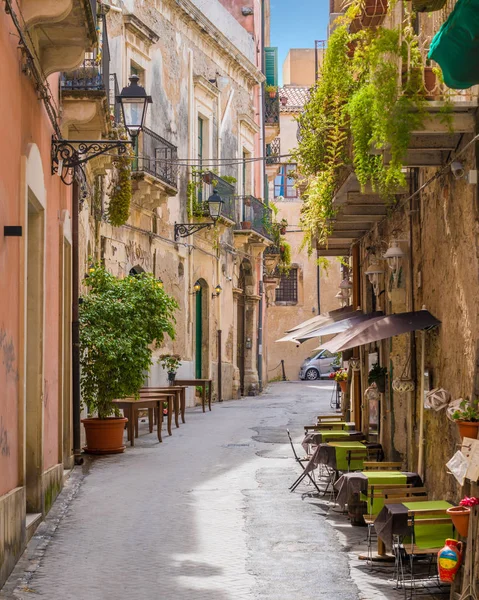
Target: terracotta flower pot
pixel 344 386
pixel 468 429
pixel 245 224
pixel 272 94
pixel 104 436
pixel 460 518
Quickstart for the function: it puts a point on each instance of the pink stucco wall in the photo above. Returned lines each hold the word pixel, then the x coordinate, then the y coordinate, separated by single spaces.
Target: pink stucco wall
pixel 25 122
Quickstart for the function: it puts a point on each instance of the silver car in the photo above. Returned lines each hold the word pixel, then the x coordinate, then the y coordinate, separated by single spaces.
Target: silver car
pixel 318 365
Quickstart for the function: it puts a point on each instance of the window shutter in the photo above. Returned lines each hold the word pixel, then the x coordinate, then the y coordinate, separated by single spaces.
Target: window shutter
pixel 271 66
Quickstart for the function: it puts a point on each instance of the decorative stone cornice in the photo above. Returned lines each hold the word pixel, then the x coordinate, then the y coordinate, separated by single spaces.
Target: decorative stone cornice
pixel 136 26
pixel 220 40
pixel 249 123
pixel 206 86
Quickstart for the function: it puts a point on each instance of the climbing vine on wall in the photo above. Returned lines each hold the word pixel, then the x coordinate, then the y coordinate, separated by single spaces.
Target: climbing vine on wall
pixel 120 191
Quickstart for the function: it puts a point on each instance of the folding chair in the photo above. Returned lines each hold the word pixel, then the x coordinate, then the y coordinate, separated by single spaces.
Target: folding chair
pixel 381 466
pixel 429 518
pixel 300 461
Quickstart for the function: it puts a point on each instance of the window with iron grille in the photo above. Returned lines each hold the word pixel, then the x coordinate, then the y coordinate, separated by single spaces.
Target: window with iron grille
pixel 288 287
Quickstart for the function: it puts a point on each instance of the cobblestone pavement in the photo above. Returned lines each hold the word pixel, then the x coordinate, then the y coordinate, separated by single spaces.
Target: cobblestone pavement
pixel 205 515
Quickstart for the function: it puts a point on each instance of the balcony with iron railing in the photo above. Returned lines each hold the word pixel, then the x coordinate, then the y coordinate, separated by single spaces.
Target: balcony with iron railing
pixel 206 183
pixel 273 152
pixel 271 117
pixel 256 217
pixel 156 158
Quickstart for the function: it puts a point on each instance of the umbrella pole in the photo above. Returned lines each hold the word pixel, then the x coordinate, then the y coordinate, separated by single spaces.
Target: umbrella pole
pixel 420 462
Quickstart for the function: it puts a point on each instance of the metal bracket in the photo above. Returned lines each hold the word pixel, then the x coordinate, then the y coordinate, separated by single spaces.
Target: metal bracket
pixel 68 154
pixel 187 229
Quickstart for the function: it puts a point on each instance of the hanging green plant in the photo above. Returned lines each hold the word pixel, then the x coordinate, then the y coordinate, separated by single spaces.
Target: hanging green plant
pixel 120 191
pixel 284 265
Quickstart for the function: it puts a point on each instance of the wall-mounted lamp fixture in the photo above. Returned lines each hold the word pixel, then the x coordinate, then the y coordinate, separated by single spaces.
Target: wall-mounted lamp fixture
pixel 196 289
pixel 343 298
pixel 215 206
pixel 221 81
pixel 393 255
pixel 457 169
pixel 217 292
pixel 373 272
pixel 160 283
pixel 69 154
pixel 346 286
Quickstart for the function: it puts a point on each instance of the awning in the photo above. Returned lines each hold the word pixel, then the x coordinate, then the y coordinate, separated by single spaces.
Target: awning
pixel 456 45
pixel 339 326
pixel 382 328
pixel 311 324
pixel 339 340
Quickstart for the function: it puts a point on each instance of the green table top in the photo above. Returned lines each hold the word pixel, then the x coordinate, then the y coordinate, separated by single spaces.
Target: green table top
pixel 430 536
pixel 341 451
pixel 332 435
pixel 376 504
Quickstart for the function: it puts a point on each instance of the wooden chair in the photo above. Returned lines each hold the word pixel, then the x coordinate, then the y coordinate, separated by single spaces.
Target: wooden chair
pixel 382 466
pixel 356 455
pixel 322 418
pixel 426 518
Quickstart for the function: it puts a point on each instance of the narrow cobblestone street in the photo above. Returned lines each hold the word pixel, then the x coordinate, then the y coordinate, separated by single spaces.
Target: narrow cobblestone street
pixel 206 515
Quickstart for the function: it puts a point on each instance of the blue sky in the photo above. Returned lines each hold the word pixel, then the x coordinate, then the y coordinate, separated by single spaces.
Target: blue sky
pixel 296 24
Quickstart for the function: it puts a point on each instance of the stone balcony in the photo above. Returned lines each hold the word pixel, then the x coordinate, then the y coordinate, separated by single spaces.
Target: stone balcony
pixel 60 32
pixel 271 117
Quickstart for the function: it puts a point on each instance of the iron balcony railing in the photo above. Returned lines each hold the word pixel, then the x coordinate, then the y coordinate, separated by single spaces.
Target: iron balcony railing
pixel 255 216
pixel 156 156
pixel 208 182
pixel 271 110
pixel 94 73
pixel 273 152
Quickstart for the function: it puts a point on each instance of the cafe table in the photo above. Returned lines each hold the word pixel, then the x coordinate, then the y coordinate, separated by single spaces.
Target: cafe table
pixel 393 521
pixel 335 455
pixel 350 485
pixel 326 435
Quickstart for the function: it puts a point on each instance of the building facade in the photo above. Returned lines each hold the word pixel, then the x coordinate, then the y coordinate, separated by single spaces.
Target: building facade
pixel 306 290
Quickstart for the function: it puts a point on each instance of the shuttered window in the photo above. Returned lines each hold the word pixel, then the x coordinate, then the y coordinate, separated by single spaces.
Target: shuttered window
pixel 271 65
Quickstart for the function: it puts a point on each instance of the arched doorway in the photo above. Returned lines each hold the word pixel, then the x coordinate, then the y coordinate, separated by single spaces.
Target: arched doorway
pixel 201 330
pixel 136 270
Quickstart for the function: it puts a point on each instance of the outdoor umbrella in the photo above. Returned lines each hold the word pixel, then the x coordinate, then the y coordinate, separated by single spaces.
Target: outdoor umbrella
pixel 347 324
pixel 338 341
pixel 315 322
pixel 387 327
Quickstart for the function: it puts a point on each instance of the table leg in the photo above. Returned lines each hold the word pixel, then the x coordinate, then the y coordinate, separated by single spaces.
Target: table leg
pixel 158 424
pixel 136 414
pixel 381 547
pixel 170 410
pixel 160 417
pixel 150 419
pixel 203 396
pixel 183 404
pixel 177 408
pixel 210 392
pixel 131 425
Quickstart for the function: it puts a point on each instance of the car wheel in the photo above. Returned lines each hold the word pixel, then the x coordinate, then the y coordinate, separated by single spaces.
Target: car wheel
pixel 311 375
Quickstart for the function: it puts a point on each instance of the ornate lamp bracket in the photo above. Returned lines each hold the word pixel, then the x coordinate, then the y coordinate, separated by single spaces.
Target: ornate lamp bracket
pixel 187 229
pixel 69 154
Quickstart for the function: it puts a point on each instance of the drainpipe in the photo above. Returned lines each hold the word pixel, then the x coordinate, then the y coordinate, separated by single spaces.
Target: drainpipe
pixel 76 398
pixel 218 333
pixel 260 337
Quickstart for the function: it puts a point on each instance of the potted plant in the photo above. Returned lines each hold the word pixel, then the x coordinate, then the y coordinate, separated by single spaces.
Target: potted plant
pixel 377 375
pixel 283 100
pixel 341 377
pixel 284 256
pixel 467 418
pixel 121 322
pixel 245 224
pixel 271 90
pixel 171 363
pixel 283 224
pixel 460 514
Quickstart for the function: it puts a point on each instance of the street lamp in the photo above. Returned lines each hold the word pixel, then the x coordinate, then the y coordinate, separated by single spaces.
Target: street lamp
pixel 343 298
pixel 346 286
pixel 215 207
pixel 134 104
pixel 217 292
pixel 67 155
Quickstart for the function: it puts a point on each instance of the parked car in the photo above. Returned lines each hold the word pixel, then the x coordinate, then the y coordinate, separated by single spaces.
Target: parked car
pixel 318 365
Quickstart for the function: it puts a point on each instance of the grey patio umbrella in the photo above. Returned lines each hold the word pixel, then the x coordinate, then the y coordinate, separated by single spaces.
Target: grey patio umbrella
pixel 345 325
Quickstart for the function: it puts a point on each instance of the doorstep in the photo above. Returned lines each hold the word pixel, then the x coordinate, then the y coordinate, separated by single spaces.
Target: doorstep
pixel 32 521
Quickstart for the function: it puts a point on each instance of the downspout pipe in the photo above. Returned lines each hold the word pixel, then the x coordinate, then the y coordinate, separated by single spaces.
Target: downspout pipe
pixel 76 396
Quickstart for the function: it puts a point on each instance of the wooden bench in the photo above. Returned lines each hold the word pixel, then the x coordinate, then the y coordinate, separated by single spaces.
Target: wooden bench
pixel 382 466
pixel 203 383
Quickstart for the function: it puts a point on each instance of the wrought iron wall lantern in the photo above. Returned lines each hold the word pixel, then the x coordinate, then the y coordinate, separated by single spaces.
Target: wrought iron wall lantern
pixel 342 298
pixel 215 206
pixel 217 292
pixel 393 255
pixel 68 155
pixel 196 289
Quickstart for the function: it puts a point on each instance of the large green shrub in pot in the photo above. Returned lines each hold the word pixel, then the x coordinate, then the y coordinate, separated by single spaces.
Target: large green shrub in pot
pixel 121 322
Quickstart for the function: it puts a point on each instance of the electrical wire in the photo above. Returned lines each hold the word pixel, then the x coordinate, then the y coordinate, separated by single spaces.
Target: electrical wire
pixel 180 162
